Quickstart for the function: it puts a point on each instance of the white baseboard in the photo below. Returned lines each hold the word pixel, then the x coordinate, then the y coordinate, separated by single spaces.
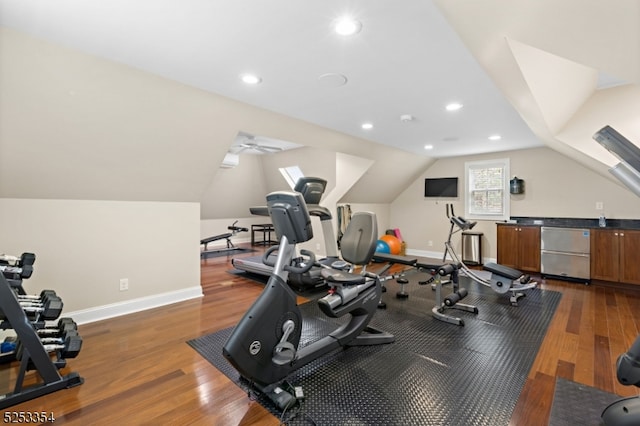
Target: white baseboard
pixel 112 310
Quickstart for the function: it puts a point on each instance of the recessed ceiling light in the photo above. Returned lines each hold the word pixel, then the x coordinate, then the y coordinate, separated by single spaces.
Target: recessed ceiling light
pixel 495 137
pixel 250 79
pixel 367 126
pixel 454 106
pixel 347 26
pixel 428 147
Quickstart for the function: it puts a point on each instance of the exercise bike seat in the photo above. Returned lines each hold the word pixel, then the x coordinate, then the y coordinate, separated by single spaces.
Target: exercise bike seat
pixel 342 277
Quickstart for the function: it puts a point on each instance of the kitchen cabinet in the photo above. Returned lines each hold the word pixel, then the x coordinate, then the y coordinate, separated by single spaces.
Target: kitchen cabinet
pixel 614 255
pixel 519 246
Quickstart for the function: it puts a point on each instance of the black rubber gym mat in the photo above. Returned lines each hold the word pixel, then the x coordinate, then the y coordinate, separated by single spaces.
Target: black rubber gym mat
pixel 434 374
pixel 577 404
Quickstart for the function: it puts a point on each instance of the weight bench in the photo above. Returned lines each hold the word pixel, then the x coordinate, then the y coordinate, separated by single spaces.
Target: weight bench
pixel 226 236
pixel 392 259
pixel 413 264
pixel 234 230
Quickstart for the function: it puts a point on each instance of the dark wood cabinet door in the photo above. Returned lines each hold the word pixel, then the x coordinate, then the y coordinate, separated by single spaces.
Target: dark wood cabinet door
pixel 605 254
pixel 529 248
pixel 629 256
pixel 507 240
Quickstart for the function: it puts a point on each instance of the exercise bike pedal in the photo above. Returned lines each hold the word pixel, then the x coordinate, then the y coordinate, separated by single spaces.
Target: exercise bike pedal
pixel 284 353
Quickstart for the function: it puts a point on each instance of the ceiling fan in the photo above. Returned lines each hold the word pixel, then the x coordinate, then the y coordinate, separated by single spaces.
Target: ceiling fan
pixel 251 143
pixel 253 146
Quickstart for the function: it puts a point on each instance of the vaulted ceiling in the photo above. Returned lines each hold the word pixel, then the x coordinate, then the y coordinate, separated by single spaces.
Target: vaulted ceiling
pixel 535 72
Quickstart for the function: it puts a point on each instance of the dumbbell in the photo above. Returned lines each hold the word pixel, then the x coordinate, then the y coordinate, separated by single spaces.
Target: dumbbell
pixel 69 348
pixel 58 340
pixel 33 297
pixel 16 272
pixel 27 259
pixel 37 302
pixel 16 268
pixel 402 294
pixel 49 309
pixel 63 326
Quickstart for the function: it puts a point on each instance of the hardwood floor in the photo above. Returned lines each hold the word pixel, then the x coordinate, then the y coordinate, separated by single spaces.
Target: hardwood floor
pixel 139 370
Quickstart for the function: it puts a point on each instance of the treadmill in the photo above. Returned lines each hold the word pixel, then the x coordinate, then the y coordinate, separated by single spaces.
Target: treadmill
pixel 312 189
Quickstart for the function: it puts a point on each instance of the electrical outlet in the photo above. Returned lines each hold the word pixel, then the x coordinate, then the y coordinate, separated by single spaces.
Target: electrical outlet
pixel 599 205
pixel 124 284
pixel 430 243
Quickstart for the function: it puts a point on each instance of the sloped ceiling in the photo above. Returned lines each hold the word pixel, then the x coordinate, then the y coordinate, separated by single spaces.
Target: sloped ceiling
pixel 75 126
pixel 546 57
pixel 79 127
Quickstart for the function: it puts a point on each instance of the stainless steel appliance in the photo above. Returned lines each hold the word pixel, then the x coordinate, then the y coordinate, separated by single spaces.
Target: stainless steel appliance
pixel 565 252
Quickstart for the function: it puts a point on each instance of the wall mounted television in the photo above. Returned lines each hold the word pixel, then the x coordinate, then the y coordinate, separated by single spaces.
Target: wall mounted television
pixel 441 187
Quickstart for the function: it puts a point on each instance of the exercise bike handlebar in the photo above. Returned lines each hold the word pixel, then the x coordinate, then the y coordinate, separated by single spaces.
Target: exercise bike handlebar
pixel 290 268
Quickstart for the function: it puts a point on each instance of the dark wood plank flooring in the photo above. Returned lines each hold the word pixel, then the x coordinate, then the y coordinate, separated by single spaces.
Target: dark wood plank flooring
pixel 138 369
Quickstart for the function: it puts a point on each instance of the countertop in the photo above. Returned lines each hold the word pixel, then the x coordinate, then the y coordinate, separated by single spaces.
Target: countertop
pixel 568 222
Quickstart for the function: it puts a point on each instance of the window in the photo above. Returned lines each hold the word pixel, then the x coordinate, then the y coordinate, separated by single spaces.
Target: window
pixel 487 190
pixel 291 174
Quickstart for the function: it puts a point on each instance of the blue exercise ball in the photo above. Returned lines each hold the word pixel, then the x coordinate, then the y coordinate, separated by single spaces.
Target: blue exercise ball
pixel 383 247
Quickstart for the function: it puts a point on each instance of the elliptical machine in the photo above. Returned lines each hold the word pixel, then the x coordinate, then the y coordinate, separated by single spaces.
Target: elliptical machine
pixel 263 347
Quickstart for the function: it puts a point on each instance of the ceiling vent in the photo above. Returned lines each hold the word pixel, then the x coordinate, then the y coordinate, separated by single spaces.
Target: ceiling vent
pixel 230 161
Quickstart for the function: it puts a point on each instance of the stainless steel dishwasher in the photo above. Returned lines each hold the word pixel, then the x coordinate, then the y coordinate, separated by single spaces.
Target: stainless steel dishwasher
pixel 565 252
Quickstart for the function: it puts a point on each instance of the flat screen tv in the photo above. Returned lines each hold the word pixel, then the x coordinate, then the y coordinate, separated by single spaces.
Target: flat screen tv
pixel 441 187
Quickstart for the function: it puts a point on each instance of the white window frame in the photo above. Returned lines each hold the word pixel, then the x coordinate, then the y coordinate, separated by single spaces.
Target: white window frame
pixel 473 213
pixel 291 174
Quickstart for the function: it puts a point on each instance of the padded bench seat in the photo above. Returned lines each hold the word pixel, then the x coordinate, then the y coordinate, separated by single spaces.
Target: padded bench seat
pixel 394 258
pixel 505 271
pixel 206 241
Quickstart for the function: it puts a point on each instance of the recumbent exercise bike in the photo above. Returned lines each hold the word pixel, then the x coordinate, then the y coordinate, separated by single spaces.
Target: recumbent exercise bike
pixel 264 345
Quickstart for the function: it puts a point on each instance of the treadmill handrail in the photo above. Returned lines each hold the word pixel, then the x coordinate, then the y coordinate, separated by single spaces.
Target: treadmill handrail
pixel 314 210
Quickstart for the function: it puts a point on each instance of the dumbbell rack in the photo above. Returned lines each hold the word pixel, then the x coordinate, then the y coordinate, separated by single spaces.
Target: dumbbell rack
pixel 33 354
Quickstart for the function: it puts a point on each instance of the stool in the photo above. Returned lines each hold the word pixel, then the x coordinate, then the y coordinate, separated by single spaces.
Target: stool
pixel 266 229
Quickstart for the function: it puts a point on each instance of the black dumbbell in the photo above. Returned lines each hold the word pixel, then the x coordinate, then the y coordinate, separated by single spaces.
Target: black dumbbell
pixel 59 340
pixel 41 298
pixel 27 259
pixel 49 310
pixel 37 302
pixel 16 272
pixel 70 348
pixel 63 326
pixel 33 297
